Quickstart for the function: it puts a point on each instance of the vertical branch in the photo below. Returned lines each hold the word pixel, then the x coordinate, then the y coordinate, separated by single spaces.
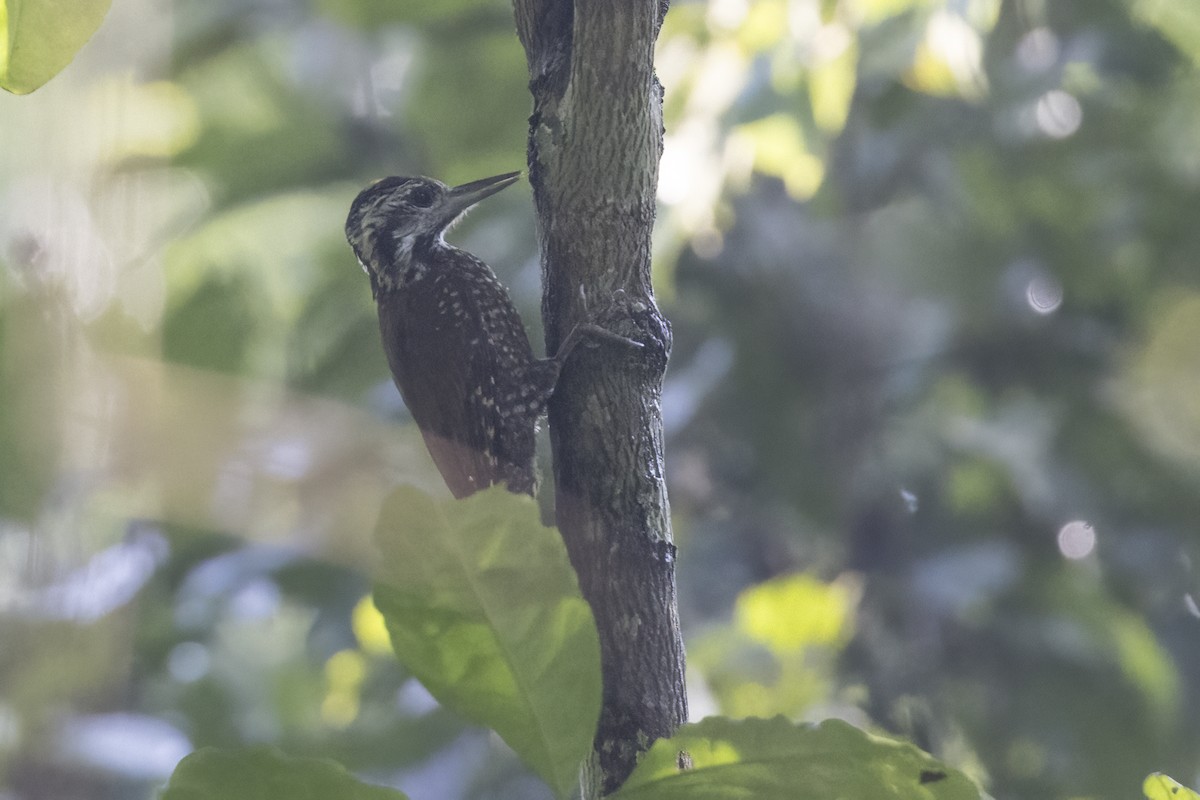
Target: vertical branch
pixel 594 146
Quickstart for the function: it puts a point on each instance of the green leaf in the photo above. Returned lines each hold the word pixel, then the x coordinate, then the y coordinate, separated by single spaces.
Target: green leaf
pixel 483 607
pixel 719 759
pixel 1159 787
pixel 264 773
pixel 215 325
pixel 38 38
pixel 1178 23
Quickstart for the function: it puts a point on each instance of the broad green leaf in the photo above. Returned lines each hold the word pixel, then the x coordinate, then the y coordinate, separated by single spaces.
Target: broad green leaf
pixel 484 608
pixel 769 759
pixel 451 70
pixel 1162 377
pixel 213 327
pixel 1144 661
pixel 263 773
pixel 1178 23
pixel 1159 787
pixel 38 38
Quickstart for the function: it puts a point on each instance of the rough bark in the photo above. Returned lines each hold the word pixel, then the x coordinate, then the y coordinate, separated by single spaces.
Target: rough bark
pixel 594 146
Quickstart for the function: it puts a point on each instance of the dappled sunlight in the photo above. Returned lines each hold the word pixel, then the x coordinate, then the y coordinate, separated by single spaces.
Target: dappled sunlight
pixel 797 611
pixel 344 674
pixel 712 56
pixel 948 60
pixel 832 78
pixel 370 629
pixel 775 146
pixel 782 642
pixel 932 413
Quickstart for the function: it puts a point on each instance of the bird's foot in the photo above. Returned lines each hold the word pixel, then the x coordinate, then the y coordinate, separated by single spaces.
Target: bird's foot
pixel 600 323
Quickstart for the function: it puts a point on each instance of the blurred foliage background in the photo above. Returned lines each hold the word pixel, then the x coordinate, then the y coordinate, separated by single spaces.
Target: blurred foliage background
pixel 933 413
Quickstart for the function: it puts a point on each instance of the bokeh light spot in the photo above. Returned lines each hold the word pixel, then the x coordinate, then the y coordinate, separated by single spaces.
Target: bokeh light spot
pixel 1044 294
pixel 1038 50
pixel 370 629
pixel 1076 539
pixel 188 662
pixel 1058 114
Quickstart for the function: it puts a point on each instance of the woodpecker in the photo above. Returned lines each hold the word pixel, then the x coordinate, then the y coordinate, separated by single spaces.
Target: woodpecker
pixel 454 341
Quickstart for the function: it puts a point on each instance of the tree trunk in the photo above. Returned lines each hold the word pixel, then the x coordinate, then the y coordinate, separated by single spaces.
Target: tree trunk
pixel 594 145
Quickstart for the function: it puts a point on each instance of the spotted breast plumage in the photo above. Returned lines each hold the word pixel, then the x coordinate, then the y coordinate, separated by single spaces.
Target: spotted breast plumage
pixel 455 343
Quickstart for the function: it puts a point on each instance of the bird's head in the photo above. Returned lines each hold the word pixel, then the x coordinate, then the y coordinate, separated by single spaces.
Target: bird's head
pixel 395 217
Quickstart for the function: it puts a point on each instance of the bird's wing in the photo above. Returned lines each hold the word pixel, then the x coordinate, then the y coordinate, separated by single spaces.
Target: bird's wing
pixel 448 379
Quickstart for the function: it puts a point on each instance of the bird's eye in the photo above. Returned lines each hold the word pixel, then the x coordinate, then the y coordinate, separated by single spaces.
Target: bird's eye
pixel 421 197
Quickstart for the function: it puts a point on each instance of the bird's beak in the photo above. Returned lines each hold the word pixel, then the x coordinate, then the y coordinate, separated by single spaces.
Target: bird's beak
pixel 460 198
